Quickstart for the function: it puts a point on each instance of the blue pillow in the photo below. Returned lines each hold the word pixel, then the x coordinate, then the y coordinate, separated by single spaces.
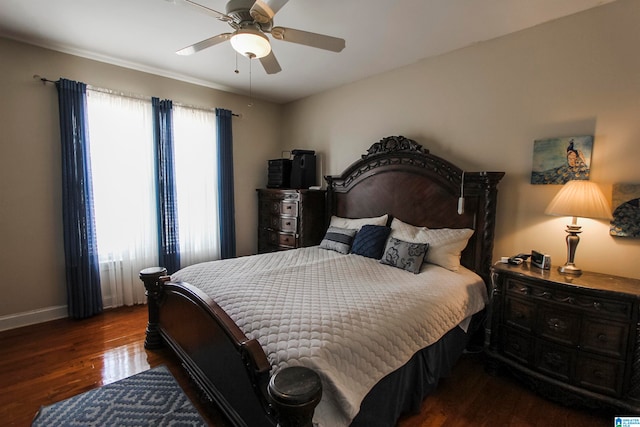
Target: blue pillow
pixel 404 255
pixel 370 241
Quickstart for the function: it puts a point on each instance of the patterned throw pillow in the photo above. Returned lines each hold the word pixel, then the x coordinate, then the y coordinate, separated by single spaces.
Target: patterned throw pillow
pixel 338 239
pixel 445 244
pixel 404 255
pixel 370 241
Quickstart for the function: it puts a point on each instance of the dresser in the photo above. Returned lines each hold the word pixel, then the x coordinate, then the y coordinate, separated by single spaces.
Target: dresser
pixel 574 339
pixel 290 218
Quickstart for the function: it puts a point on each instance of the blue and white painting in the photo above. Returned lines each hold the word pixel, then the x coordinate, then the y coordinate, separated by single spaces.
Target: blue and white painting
pixel 558 160
pixel 626 210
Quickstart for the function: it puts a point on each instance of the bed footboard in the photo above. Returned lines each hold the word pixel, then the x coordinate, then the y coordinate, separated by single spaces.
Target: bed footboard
pixel 231 370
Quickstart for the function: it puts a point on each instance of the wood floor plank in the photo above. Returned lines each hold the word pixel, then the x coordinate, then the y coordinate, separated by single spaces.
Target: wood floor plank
pixel 45 363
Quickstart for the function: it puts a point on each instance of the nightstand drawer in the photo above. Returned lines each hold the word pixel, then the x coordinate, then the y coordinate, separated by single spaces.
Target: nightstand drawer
pixel 289 208
pixel 518 345
pixel 519 313
pixel 518 287
pixel 606 307
pixel 287 224
pixel 279 223
pixel 562 326
pixel 605 337
pixel 287 239
pixel 602 375
pixel 555 360
pixel 279 207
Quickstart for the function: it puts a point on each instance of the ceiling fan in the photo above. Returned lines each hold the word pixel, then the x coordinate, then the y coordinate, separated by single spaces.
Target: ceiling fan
pixel 251 20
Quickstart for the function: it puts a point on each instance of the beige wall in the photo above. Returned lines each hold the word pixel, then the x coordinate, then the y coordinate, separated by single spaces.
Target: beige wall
pixel 483 106
pixel 31 255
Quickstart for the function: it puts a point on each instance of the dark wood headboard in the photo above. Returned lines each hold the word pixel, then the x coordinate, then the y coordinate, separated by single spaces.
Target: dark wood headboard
pixel 400 178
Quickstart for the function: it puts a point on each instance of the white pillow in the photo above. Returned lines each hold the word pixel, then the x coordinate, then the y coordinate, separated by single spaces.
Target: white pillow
pixel 357 223
pixel 407 232
pixel 445 244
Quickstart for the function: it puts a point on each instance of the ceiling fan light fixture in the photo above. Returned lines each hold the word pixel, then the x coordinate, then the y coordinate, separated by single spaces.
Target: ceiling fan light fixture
pixel 250 43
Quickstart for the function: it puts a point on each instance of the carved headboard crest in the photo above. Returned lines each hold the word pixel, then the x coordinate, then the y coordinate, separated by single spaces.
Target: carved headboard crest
pixel 390 144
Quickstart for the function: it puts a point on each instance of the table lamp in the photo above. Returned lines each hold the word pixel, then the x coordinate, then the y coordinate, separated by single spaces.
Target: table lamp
pixel 578 198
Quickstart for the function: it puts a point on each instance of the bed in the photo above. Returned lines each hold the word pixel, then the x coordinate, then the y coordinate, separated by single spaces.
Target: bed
pixel 377 318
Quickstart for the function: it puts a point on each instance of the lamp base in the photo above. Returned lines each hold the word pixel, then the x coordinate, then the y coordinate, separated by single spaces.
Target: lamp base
pixel 573 238
pixel 569 269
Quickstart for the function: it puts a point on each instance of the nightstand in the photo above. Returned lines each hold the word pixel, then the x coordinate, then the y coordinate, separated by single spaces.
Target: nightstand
pixel 574 339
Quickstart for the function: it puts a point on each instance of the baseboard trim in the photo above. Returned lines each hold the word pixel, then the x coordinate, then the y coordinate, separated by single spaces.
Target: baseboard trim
pixel 26 318
pixel 32 317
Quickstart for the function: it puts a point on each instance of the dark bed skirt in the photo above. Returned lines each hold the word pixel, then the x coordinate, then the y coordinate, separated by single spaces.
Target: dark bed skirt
pixel 403 391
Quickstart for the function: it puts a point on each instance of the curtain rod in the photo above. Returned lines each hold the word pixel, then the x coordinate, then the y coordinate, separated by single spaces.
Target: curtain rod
pixel 45 80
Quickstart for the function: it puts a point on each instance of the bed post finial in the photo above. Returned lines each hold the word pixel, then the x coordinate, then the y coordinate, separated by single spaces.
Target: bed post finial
pixel 295 392
pixel 394 143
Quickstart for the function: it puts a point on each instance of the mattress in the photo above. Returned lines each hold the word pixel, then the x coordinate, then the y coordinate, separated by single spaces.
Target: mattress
pixel 348 317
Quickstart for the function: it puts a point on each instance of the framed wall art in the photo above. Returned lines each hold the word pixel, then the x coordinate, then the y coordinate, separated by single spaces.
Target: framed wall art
pixel 626 210
pixel 558 160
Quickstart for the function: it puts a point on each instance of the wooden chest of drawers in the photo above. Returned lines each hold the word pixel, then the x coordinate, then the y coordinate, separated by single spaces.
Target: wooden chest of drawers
pixel 289 219
pixel 574 339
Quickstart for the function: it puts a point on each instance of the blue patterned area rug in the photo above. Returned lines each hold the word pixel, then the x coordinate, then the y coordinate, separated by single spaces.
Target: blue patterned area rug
pixel 150 398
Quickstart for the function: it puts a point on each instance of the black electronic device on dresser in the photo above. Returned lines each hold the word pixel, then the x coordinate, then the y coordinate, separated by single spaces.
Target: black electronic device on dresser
pixel 574 339
pixel 299 172
pixel 303 169
pixel 290 218
pixel 279 173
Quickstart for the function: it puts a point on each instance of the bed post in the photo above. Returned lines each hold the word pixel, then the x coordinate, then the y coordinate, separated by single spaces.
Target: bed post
pixel 153 279
pixel 485 185
pixel 295 392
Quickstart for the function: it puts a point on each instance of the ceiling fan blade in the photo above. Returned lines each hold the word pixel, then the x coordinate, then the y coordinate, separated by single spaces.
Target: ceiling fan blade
pixel 211 41
pixel 263 11
pixel 202 9
pixel 306 38
pixel 270 64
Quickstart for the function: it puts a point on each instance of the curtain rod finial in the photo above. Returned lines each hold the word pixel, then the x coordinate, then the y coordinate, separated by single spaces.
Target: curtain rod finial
pixel 39 77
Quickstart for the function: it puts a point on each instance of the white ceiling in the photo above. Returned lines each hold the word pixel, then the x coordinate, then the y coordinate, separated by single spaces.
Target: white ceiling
pixel 380 35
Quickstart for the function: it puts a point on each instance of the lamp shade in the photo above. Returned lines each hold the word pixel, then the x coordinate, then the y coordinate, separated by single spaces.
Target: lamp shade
pixel 251 43
pixel 579 198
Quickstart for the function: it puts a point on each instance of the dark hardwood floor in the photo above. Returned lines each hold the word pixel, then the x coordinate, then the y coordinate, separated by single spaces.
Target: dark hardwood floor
pixel 49 362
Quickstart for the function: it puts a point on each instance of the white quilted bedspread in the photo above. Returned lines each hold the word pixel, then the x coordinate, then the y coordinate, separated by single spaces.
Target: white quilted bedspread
pixel 350 318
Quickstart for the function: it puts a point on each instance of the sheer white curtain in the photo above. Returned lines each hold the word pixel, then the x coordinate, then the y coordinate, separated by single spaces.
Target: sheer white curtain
pixel 194 137
pixel 122 160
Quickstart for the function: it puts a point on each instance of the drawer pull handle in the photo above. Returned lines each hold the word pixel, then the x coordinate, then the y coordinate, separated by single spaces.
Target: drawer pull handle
pixel 546 295
pixel 597 305
pixel 524 290
pixel 519 315
pixel 598 374
pixel 554 360
pixel 602 338
pixel 556 324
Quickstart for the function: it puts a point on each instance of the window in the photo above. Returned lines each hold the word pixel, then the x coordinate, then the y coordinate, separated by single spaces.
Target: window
pixel 124 187
pixel 195 160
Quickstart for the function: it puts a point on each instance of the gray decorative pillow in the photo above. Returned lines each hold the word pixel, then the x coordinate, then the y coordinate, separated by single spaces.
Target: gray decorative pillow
pixel 404 255
pixel 338 239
